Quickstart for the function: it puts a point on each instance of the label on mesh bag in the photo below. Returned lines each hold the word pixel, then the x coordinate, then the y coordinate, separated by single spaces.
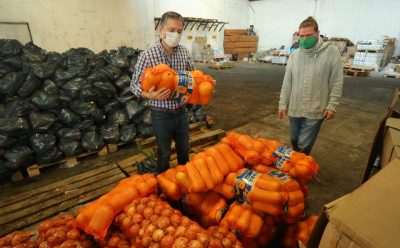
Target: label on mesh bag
pixel 283 177
pixel 283 154
pixel 243 184
pixel 184 89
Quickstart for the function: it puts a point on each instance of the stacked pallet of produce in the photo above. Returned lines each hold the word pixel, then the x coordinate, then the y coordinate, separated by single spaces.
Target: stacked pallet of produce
pixel 236 41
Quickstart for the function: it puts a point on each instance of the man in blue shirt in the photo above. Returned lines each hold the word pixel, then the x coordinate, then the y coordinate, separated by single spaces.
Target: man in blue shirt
pixel 169 117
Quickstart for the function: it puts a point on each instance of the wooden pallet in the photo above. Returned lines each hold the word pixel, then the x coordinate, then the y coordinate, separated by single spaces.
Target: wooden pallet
pixel 356 73
pixel 32 206
pixel 35 169
pixel 371 51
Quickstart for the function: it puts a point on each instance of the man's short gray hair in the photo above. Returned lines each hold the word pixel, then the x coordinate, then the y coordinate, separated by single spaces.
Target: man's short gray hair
pixel 171 15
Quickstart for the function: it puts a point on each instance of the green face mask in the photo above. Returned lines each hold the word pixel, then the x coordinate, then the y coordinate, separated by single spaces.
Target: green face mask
pixel 308 42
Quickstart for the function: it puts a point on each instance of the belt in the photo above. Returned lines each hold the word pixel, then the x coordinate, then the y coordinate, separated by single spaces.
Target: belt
pixel 177 110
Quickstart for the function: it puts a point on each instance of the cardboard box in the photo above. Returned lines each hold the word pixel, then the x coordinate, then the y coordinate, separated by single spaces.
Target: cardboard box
pixel 368 217
pixel 391 142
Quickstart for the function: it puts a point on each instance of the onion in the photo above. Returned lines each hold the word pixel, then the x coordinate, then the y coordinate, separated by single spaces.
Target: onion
pixel 203 238
pixel 144 200
pixel 59 237
pixel 126 223
pixel 158 209
pixel 152 204
pixel 134 231
pixel 180 231
pixel 50 232
pixel 73 234
pixel 167 241
pixel 185 221
pixel 181 242
pixel 163 222
pixel 158 235
pixel 137 218
pixel 155 245
pixel 68 244
pixel 153 218
pixel 195 244
pixel 232 237
pixel 176 220
pixel 150 229
pixel 190 234
pixel 131 210
pixel 167 212
pixel 140 208
pixel 87 244
pixel 226 243
pixel 123 244
pixel 43 244
pixel 113 241
pixel 19 238
pixel 44 226
pixel 146 241
pixel 170 230
pixel 145 223
pixel 147 212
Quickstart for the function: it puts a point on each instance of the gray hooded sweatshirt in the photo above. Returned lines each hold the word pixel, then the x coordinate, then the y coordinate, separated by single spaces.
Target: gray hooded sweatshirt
pixel 313 81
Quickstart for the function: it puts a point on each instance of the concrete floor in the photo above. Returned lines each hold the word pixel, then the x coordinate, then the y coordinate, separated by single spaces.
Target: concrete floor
pixel 246 100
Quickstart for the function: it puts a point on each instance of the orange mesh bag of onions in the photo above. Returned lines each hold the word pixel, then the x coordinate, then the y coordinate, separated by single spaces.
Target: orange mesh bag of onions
pixel 151 222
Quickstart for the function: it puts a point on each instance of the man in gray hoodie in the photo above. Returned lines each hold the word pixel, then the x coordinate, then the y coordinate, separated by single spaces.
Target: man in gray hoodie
pixel 312 86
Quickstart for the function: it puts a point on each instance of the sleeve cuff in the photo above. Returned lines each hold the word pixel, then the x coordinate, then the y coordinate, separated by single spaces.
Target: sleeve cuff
pixel 331 107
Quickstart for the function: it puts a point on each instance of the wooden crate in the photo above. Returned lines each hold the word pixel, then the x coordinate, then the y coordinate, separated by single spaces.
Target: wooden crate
pixel 228 32
pixel 27 208
pixel 241 44
pixel 241 38
pixel 241 50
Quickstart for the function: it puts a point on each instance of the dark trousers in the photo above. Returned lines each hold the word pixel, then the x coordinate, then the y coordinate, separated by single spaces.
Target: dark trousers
pixel 168 126
pixel 303 133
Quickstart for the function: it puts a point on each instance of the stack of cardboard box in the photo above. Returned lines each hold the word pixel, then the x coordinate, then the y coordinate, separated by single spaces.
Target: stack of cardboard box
pixel 236 41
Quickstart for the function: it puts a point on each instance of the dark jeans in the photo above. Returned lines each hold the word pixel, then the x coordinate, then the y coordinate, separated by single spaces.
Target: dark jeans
pixel 170 125
pixel 303 133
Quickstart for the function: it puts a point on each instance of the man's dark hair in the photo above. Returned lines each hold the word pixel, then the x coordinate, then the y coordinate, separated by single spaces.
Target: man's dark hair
pixel 171 15
pixel 309 22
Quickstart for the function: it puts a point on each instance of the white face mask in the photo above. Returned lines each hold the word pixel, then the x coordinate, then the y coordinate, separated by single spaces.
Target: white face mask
pixel 172 39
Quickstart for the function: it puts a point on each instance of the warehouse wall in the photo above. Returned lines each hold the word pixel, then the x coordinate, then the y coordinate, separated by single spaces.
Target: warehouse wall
pixel 233 11
pixel 275 21
pixel 58 25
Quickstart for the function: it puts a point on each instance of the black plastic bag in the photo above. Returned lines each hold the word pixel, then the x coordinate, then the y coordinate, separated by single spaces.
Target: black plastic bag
pixel 110 133
pixel 132 64
pixel 4 170
pixel 33 53
pixel 147 166
pixel 4 69
pixel 42 142
pixel 83 108
pixel 18 156
pixel 147 118
pixel 67 117
pixel 95 62
pixel 122 82
pixel 7 142
pixel 55 58
pixel 9 47
pixel 127 51
pixel 104 55
pixel 30 85
pixel 61 75
pixel 44 100
pixel 88 93
pixel 50 87
pixel 44 69
pixel 119 61
pixel 2 111
pixel 119 117
pixel 15 62
pixel 72 87
pixel 128 133
pixel 69 134
pixel 125 99
pixel 86 125
pixel 127 91
pixel 99 117
pixel 50 156
pixel 144 131
pixel 199 114
pixel 13 127
pixel 134 109
pixel 19 108
pixel 112 72
pixel 111 106
pixel 69 147
pixel 105 89
pixel 97 76
pixel 76 60
pixel 91 141
pixel 42 121
pixel 11 82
